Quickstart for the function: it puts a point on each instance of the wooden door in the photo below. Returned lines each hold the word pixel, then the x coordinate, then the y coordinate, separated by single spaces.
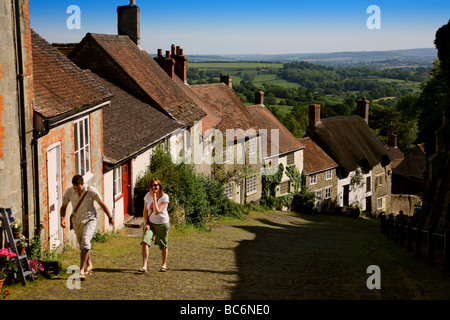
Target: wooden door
pixel 126 189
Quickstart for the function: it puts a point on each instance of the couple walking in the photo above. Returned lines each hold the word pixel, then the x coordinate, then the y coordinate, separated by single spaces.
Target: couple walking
pixel 84 220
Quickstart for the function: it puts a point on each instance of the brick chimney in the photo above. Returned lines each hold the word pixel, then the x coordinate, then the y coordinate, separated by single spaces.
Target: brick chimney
pixel 362 109
pixel 128 21
pixel 259 98
pixel 392 140
pixel 314 114
pixel 228 80
pixel 166 63
pixel 180 64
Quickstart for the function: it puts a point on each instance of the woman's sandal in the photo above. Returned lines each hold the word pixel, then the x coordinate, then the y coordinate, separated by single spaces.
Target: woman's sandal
pixel 142 270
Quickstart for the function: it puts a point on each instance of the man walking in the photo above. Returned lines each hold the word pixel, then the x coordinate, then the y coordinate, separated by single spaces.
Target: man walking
pixel 83 219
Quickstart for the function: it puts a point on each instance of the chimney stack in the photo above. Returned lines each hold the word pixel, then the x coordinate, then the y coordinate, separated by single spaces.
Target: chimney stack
pixel 259 98
pixel 166 63
pixel 228 80
pixel 129 21
pixel 392 140
pixel 314 114
pixel 180 63
pixel 362 109
pixel 175 63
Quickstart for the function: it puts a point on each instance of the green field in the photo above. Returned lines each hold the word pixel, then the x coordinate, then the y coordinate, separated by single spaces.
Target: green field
pixel 265 73
pixel 234 66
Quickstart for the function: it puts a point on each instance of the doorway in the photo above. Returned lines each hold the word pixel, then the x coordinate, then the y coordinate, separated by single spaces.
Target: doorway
pixel 126 189
pixel 346 195
pixel 54 194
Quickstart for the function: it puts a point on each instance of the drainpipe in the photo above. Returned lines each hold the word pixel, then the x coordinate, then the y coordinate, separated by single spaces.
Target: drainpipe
pixel 37 222
pixel 22 125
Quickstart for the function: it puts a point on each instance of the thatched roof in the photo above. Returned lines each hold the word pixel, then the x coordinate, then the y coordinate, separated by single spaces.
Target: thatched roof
pixel 350 142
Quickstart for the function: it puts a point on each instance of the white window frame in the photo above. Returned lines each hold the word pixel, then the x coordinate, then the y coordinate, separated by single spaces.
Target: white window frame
pixel 313 179
pixel 286 185
pixel 368 184
pixel 82 146
pixel 252 184
pixel 381 203
pixel 329 174
pixel 328 193
pixel 229 191
pixel 379 180
pixel 290 159
pixel 252 146
pixel 117 181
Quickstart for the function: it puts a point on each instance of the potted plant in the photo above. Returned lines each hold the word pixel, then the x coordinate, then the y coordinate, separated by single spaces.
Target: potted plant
pixel 35 266
pixel 45 260
pixel 7 265
pixel 22 244
pixel 50 262
pixel 16 227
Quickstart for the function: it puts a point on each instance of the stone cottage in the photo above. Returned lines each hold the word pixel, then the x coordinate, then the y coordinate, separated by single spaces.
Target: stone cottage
pixel 364 171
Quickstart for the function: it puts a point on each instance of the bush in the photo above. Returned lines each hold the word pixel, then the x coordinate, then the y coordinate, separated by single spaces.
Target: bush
pixel 303 201
pixel 202 197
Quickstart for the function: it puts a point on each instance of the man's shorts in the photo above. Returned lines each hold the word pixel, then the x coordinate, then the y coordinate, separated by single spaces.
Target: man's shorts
pixel 162 235
pixel 84 230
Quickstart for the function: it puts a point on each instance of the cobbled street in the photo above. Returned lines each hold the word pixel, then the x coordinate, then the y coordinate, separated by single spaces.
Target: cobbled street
pixel 267 256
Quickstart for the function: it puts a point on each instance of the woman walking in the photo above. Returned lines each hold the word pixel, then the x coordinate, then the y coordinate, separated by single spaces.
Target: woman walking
pixel 157 223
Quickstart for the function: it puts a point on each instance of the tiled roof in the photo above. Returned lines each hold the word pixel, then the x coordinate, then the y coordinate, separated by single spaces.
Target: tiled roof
pixel 225 104
pixel 314 158
pixel 135 70
pixel 350 142
pixel 59 85
pixel 414 164
pixel 266 120
pixel 397 155
pixel 212 119
pixel 130 125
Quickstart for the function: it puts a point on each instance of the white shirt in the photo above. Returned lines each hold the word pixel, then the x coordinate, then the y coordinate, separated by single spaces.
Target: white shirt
pixel 163 216
pixel 86 210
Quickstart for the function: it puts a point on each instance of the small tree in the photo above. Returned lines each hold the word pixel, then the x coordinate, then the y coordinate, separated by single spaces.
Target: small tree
pixel 295 177
pixel 271 181
pixel 201 197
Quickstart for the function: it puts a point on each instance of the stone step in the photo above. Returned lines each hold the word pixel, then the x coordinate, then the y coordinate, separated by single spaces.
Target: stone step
pixel 134 222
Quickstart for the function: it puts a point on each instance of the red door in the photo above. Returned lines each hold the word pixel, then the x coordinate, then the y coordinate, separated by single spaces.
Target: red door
pixel 126 189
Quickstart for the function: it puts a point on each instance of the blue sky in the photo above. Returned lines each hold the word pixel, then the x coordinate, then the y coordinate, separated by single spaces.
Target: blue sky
pixel 258 27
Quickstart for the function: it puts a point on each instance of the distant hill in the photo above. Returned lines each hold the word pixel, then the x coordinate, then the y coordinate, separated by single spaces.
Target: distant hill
pixel 392 58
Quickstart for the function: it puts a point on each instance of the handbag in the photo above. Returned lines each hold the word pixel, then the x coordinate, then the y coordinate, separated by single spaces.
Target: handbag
pixel 76 208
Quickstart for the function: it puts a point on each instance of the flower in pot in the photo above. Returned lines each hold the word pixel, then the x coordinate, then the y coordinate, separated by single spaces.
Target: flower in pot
pixel 16 227
pixel 22 244
pixel 7 265
pixel 35 266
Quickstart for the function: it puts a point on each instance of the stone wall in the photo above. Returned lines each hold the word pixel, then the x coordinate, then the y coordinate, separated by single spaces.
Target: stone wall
pixel 16 181
pixel 406 203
